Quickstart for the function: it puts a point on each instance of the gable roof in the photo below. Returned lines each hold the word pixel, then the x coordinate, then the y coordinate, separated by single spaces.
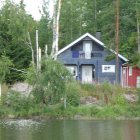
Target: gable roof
pixel 94 39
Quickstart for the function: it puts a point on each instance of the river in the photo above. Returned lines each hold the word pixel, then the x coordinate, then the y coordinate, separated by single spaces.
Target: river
pixel 69 130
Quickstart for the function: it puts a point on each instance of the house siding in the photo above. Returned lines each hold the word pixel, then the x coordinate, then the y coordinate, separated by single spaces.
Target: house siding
pixel 98 59
pixel 132 80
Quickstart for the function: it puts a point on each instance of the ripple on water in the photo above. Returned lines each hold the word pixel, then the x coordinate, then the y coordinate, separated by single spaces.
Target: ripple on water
pixel 20 124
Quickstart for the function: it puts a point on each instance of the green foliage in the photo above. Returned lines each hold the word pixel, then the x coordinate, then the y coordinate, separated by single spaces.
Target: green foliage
pixel 18 104
pixel 50 83
pixel 5 62
pixel 73 91
pixel 31 75
pixel 14 25
pixel 110 57
pixel 138 93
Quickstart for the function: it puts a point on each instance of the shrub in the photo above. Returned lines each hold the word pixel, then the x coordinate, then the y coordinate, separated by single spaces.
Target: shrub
pixel 73 93
pixel 50 83
pixel 18 104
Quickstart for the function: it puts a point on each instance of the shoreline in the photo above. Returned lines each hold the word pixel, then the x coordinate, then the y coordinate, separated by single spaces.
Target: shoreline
pixel 41 117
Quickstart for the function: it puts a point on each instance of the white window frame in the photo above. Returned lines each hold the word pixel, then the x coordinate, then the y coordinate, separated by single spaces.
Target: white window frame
pixel 71 70
pixel 87 51
pixel 138 82
pixel 108 68
pixel 130 70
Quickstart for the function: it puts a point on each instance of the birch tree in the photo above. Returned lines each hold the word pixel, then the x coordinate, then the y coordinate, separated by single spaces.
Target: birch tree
pixel 56 17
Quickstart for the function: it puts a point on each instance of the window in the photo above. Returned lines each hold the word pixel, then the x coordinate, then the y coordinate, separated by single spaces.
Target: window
pixel 108 68
pixel 87 49
pixel 138 81
pixel 72 70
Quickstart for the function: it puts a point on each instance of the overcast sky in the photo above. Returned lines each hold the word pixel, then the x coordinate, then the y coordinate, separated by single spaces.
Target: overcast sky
pixel 33 7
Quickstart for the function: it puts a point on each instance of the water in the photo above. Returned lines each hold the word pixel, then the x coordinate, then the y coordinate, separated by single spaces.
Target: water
pixel 69 130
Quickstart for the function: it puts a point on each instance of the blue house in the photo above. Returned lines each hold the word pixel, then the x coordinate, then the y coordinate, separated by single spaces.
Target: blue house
pixel 86 60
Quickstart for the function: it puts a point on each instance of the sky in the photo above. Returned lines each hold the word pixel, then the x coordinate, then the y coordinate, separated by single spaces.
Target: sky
pixel 33 7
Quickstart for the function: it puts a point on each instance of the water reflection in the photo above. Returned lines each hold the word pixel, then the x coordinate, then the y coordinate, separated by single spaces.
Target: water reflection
pixel 69 130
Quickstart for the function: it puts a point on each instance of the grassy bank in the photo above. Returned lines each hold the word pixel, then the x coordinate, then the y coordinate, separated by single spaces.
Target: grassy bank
pixel 110 103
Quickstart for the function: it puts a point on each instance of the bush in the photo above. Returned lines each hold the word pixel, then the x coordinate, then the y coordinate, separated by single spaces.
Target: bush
pixel 138 93
pixel 73 94
pixel 18 104
pixel 50 83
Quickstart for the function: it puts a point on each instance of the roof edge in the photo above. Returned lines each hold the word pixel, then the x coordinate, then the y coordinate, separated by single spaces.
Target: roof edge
pixel 95 39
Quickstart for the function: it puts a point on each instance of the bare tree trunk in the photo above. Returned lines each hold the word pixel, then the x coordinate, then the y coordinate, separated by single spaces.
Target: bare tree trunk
pixel 37 52
pixel 54 28
pixel 138 34
pixel 138 27
pixel 95 14
pixel 0 91
pixel 30 45
pixel 117 39
pixel 56 17
pixel 39 59
pixel 46 50
pixel 57 24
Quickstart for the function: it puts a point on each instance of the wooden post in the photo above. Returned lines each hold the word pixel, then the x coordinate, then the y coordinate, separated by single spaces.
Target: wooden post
pixel 117 40
pixel 46 50
pixel 37 52
pixel 65 102
pixel 39 59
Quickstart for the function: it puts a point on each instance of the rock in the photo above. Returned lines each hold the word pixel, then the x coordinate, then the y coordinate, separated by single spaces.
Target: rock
pixel 88 100
pixel 131 97
pixel 22 88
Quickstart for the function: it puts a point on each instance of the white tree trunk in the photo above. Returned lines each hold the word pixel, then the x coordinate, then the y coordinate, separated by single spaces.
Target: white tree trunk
pixel 57 24
pixel 39 59
pixel 54 28
pixel 46 50
pixel 56 18
pixel 37 52
pixel 30 45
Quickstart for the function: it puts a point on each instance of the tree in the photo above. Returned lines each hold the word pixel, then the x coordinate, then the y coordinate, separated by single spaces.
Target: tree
pixel 45 28
pixel 50 84
pixel 5 62
pixel 15 23
pixel 56 17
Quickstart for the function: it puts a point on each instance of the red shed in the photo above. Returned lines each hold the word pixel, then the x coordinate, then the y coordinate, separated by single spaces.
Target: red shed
pixel 131 76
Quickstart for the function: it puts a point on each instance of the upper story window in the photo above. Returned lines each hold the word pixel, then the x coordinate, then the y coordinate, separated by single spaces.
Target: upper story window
pixel 87 48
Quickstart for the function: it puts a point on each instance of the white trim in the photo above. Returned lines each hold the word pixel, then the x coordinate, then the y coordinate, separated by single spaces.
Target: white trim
pixel 87 75
pixel 108 68
pixel 130 70
pixel 77 40
pixel 138 82
pixel 93 38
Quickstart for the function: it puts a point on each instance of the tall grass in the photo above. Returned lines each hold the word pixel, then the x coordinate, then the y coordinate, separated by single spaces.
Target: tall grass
pixel 113 103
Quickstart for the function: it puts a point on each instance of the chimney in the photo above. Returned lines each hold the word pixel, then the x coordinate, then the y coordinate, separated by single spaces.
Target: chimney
pixel 98 35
